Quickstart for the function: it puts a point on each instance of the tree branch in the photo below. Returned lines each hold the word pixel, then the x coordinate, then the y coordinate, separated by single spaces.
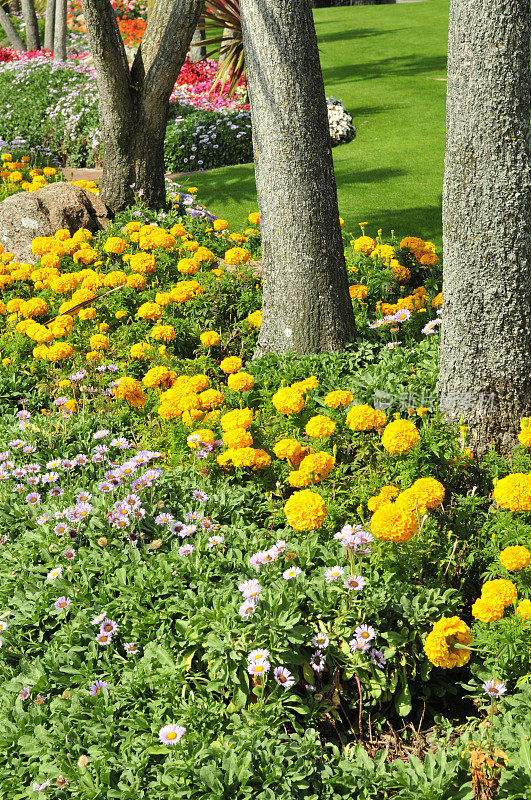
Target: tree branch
pixel 108 52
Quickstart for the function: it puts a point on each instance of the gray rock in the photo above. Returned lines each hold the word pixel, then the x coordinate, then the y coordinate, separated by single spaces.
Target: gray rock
pixel 26 215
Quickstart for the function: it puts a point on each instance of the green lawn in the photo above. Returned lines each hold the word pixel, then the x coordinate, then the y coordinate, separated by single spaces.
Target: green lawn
pixel 387 64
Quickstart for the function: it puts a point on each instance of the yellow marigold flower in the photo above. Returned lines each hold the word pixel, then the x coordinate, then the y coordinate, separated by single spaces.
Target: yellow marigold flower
pixel 149 311
pixel 437 300
pixel 523 609
pixel 305 510
pixel 320 427
pixel 191 246
pixel 65 383
pixel 204 254
pixel 428 491
pixel 88 313
pixel 299 480
pixel 250 457
pixel 178 230
pixel 487 610
pixel 516 557
pixel 317 464
pixel 99 342
pixel 499 591
pixel 386 494
pixel 514 492
pixel 138 352
pixel 136 282
pixel 143 263
pixel 240 382
pixel 237 255
pixel 383 251
pixel 133 226
pixel 288 401
pixel 412 243
pixel 14 177
pixel 401 273
pixel 358 292
pixel 237 437
pixel 59 351
pixel 162 333
pixel 6 362
pixel 94 355
pixel 115 245
pixel 440 643
pixel 394 522
pixel 130 390
pixel 36 307
pixel 157 376
pixel 254 218
pixel 211 399
pixel 255 319
pixel 163 298
pixel 239 418
pixel 220 225
pixel 115 278
pixel 198 383
pixel 400 436
pixel 200 437
pixel 288 449
pixel 361 418
pixel 188 266
pixel 524 437
pixel 312 382
pixel 364 244
pixel 209 338
pixel 231 364
pixel 185 290
pixel 338 399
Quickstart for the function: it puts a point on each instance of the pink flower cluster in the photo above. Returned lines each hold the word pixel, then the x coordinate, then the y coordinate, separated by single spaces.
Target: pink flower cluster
pixel 194 86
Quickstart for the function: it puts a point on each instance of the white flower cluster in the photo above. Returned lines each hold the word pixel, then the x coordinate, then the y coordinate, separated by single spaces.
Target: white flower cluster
pixel 342 129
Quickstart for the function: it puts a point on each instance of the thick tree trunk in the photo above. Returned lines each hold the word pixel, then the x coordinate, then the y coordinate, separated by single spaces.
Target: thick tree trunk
pixel 306 305
pixel 49 25
pixel 485 376
pixel 197 50
pixel 14 39
pixel 32 29
pixel 59 32
pixel 133 104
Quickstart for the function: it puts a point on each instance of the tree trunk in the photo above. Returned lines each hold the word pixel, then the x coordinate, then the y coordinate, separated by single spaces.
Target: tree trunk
pixel 306 304
pixel 14 39
pixel 133 104
pixel 59 32
pixel 32 29
pixel 485 376
pixel 49 25
pixel 197 50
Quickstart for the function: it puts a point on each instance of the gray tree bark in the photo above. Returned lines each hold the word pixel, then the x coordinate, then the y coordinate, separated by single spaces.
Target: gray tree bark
pixel 11 33
pixel 32 29
pixel 197 48
pixel 49 25
pixel 59 31
pixel 133 105
pixel 485 376
pixel 306 304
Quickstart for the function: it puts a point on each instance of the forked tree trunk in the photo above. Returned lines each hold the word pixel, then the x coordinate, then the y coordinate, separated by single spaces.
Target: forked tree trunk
pixel 485 376
pixel 133 104
pixel 14 39
pixel 59 33
pixel 49 25
pixel 32 28
pixel 306 304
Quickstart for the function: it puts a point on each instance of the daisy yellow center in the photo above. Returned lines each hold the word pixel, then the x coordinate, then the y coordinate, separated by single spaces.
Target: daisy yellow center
pixel 364 635
pixel 259 668
pixel 171 735
pixel 282 678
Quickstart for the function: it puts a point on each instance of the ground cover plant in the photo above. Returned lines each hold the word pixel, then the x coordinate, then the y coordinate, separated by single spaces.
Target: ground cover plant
pixel 225 577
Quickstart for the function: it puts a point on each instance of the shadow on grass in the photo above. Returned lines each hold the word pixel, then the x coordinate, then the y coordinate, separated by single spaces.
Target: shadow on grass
pixel 423 221
pixel 350 176
pixel 403 65
pixel 354 33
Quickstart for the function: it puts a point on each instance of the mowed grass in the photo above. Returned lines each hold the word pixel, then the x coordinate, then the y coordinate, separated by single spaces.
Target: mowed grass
pixel 388 66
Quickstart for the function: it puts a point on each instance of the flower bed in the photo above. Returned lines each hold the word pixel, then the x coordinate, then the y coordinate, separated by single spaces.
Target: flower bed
pixel 207 558
pixel 54 106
